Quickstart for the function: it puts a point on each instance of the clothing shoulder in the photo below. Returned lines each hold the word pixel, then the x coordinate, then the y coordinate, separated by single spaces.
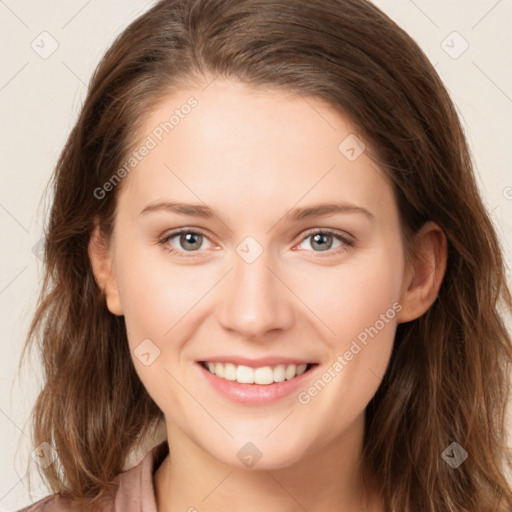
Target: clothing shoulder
pixel 53 503
pixel 57 503
pixel 135 490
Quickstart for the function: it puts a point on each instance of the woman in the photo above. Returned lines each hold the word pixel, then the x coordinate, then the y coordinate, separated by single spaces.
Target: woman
pixel 332 337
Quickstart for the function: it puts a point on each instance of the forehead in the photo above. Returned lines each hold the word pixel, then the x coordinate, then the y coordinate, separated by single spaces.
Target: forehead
pixel 236 146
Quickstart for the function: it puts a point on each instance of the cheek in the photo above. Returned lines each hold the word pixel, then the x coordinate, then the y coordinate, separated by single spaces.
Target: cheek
pixel 156 298
pixel 156 294
pixel 351 296
pixel 360 304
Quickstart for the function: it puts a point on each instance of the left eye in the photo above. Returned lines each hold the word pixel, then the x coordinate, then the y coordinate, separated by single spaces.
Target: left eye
pixel 322 241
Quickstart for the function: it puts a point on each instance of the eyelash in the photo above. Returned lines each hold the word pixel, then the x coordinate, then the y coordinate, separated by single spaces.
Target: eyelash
pixel 347 243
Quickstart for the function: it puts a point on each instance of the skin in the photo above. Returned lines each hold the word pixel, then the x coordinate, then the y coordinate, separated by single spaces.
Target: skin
pixel 253 155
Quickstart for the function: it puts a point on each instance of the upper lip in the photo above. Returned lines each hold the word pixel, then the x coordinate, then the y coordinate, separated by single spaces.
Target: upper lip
pixel 256 363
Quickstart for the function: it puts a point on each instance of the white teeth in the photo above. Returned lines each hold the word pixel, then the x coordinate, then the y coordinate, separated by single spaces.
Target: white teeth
pixel 301 368
pixel 264 375
pixel 219 369
pixel 279 373
pixel 229 371
pixel 244 374
pixel 291 370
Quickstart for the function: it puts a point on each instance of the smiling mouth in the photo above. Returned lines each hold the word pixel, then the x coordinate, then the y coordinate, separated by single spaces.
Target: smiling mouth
pixel 264 375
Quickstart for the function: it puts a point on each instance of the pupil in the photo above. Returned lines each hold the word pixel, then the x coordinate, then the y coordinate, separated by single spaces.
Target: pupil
pixel 188 238
pixel 318 237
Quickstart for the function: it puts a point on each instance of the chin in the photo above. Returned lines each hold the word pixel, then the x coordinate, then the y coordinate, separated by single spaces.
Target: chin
pixel 260 456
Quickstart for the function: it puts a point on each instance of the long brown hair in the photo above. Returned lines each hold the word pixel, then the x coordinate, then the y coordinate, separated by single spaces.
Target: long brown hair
pixel 448 378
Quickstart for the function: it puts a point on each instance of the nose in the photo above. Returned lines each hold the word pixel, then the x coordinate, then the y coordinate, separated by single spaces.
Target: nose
pixel 255 300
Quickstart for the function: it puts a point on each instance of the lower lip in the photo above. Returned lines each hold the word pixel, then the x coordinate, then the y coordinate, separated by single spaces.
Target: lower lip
pixel 255 394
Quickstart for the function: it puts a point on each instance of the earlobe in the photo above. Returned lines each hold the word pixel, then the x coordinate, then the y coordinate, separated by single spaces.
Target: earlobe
pixel 101 263
pixel 425 274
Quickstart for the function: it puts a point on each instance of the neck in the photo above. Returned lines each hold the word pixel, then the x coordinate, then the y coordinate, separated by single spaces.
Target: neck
pixel 329 479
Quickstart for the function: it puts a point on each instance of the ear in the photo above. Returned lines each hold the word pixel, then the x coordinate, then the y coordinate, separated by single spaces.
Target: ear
pixel 425 272
pixel 101 262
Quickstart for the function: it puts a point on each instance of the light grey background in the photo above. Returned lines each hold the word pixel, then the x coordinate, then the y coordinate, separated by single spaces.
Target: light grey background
pixel 40 96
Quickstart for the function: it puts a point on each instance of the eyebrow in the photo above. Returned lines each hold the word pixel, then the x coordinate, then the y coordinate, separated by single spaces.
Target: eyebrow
pixel 294 214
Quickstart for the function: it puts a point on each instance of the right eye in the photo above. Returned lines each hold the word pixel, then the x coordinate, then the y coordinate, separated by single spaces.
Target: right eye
pixel 189 240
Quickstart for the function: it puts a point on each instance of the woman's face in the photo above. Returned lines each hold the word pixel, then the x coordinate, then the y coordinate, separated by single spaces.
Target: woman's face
pixel 264 275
